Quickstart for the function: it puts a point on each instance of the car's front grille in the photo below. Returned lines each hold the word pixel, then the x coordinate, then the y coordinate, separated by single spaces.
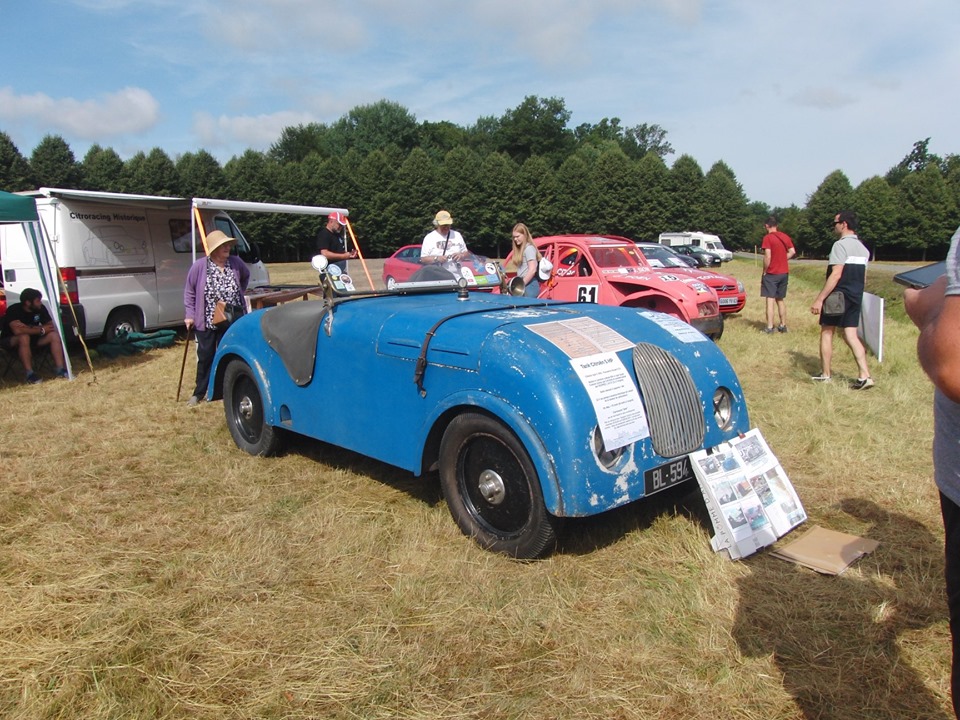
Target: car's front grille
pixel 673 406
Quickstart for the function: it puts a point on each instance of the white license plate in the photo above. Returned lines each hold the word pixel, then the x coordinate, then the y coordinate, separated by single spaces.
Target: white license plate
pixel 728 301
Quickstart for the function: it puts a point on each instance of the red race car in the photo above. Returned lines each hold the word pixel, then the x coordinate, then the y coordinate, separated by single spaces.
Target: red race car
pixel 610 270
pixel 730 291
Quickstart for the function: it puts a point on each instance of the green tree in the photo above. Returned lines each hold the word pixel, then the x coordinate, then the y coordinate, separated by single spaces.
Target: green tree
pixel 875 203
pixel 376 178
pixel 535 197
pixel 15 173
pixel 645 138
pixel 616 185
pixel 416 194
pixel 833 195
pixel 102 169
pixel 458 190
pixel 574 187
pixel 439 138
pixel 368 128
pixel 928 213
pixel 156 174
pixel 536 127
pixel 724 206
pixel 685 185
pixel 917 160
pixel 296 143
pixel 497 172
pixel 653 181
pixel 201 175
pixel 254 178
pixel 53 163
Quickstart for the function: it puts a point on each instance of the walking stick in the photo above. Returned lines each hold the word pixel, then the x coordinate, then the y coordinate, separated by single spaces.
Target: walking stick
pixel 363 262
pixel 183 365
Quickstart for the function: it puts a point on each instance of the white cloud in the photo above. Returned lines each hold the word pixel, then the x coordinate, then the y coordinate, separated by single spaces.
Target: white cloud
pixel 129 110
pixel 253 131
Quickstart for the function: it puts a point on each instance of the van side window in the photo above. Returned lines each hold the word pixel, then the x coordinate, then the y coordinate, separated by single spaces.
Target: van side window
pixel 180 235
pixel 230 230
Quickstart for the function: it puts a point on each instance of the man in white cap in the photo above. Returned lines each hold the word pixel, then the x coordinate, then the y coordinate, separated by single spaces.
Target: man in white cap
pixel 330 242
pixel 442 243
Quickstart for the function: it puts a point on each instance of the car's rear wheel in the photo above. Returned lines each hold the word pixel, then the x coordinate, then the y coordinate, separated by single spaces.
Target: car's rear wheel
pixel 243 407
pixel 492 489
pixel 122 321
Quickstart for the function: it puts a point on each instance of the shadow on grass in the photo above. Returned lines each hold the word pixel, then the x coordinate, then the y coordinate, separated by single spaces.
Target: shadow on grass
pixel 836 640
pixel 578 536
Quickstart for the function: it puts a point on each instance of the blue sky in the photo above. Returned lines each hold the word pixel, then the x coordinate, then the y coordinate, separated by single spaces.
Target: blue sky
pixel 784 92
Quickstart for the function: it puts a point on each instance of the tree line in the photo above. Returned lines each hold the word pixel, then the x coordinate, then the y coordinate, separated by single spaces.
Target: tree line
pixel 528 165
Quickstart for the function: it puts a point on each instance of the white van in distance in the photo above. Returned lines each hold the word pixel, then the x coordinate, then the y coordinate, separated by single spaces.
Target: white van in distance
pixel 124 258
pixel 705 241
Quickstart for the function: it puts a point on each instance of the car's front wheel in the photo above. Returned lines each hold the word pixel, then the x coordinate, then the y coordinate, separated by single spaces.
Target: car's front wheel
pixel 492 490
pixel 243 407
pixel 391 283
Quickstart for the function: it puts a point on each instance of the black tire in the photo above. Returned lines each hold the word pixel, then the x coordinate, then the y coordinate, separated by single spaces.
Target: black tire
pixel 127 320
pixel 243 407
pixel 719 334
pixel 492 489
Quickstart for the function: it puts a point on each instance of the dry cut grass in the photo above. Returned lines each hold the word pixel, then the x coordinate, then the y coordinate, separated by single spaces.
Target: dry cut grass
pixel 151 569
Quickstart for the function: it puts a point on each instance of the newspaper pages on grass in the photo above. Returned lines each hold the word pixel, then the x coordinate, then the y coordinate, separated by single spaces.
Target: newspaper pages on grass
pixel 750 500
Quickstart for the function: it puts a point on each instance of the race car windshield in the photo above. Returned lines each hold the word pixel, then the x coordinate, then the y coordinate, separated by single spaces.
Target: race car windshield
pixel 618 256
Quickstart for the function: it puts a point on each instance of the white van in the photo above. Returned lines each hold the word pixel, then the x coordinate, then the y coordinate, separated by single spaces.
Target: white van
pixel 705 241
pixel 124 258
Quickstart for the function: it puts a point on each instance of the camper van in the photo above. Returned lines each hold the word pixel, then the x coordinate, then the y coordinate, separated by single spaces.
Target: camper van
pixel 123 258
pixel 705 241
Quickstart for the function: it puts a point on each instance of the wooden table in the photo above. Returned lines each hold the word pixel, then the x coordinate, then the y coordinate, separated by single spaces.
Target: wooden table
pixel 270 296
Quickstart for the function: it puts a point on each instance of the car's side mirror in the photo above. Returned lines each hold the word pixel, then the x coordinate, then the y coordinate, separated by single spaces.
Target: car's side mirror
pixel 250 256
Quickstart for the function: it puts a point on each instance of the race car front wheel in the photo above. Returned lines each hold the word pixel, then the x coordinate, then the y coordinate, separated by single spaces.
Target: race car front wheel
pixel 243 407
pixel 492 489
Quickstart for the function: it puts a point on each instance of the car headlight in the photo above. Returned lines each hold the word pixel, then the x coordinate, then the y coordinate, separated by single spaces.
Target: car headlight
pixel 739 286
pixel 722 407
pixel 607 458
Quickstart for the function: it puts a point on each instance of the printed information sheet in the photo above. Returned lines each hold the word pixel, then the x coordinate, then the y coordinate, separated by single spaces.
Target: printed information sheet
pixel 749 497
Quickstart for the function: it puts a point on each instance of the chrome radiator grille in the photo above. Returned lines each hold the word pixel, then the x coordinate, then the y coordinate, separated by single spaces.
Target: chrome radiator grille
pixel 673 407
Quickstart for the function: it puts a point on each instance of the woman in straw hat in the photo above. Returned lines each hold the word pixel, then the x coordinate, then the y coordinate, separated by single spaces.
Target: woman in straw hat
pixel 218 277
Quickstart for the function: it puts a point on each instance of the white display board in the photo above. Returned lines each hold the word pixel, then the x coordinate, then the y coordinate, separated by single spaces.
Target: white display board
pixel 748 495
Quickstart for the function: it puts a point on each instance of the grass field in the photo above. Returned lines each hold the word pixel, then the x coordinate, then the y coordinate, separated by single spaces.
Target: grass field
pixel 152 570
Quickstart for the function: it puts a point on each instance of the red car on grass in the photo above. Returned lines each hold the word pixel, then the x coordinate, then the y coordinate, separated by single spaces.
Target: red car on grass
pixel 401 265
pixel 610 270
pixel 730 291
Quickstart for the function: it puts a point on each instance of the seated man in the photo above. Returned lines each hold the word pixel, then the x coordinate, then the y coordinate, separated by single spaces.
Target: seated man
pixel 26 327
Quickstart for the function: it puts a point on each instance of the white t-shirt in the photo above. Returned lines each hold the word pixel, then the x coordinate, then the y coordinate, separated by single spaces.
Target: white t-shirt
pixel 434 243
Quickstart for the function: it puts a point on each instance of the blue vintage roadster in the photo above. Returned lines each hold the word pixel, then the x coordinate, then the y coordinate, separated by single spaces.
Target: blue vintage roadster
pixel 531 410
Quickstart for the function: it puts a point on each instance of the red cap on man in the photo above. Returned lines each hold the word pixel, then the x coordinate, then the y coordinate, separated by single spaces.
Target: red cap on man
pixel 339 217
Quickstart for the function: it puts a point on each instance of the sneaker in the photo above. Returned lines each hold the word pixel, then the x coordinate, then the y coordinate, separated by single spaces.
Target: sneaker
pixel 193 401
pixel 862 383
pixel 62 373
pixel 33 378
pixel 768 331
pixel 820 378
pixel 781 328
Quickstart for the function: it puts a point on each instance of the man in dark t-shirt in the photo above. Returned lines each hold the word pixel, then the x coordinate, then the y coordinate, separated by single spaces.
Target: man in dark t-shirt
pixel 330 242
pixel 26 327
